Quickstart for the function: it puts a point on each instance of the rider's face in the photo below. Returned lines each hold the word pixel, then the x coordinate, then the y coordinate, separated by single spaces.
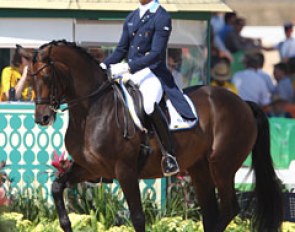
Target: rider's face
pixel 143 2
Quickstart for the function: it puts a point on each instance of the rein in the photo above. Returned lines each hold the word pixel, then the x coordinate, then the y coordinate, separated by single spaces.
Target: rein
pixel 98 93
pixel 54 103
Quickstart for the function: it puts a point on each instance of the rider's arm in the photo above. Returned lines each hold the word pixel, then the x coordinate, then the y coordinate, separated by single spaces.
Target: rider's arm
pixel 158 47
pixel 122 48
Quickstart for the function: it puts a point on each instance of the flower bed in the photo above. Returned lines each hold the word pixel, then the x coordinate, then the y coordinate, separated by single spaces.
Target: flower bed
pixel 13 222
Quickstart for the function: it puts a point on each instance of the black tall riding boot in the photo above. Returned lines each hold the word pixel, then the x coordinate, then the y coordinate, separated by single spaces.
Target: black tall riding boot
pixel 169 163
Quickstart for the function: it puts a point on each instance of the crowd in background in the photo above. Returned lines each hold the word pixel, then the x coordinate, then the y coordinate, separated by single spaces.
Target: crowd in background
pixel 237 64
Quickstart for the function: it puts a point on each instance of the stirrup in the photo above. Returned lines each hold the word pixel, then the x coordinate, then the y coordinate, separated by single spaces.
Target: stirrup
pixel 176 167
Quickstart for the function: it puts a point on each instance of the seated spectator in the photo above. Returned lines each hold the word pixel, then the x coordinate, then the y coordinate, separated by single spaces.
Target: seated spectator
pixel 220 74
pixel 265 76
pixel 277 108
pixel 284 85
pixel 15 84
pixel 235 42
pixel 250 85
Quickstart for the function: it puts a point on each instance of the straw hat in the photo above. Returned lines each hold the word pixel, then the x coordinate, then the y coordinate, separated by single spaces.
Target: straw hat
pixel 221 71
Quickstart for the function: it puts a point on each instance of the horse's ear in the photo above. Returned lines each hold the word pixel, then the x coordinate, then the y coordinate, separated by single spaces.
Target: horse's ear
pixel 27 53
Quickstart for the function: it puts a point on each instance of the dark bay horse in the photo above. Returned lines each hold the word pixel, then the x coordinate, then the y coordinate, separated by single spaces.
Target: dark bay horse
pixel 228 130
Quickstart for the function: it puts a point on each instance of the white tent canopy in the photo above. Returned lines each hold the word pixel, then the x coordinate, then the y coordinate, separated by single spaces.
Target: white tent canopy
pixel 32 33
pixel 93 33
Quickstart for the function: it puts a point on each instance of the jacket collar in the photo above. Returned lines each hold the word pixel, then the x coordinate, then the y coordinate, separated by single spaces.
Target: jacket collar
pixel 150 7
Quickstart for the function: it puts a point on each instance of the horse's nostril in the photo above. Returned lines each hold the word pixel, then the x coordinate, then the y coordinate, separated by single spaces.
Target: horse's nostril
pixel 46 119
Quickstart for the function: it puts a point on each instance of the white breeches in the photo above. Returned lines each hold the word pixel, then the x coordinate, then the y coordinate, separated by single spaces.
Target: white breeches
pixel 150 87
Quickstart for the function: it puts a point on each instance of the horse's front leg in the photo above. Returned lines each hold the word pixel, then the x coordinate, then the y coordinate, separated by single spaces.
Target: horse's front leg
pixel 74 175
pixel 128 179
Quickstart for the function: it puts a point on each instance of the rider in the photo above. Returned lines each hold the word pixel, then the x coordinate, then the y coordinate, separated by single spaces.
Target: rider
pixel 144 42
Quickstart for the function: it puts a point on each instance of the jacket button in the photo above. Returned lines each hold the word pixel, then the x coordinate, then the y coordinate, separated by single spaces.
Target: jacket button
pixel 133 33
pixel 138 48
pixel 140 35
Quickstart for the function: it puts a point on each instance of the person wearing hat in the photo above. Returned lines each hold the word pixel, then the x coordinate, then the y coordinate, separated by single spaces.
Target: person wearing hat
pixel 220 74
pixel 15 84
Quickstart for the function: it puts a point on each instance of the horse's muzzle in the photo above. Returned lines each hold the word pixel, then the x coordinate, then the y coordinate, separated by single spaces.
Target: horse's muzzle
pixel 44 116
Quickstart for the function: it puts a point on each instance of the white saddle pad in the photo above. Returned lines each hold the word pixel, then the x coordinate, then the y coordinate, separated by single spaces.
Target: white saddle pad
pixel 176 121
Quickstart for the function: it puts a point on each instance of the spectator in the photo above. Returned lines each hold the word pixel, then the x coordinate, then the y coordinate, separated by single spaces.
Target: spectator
pixel 220 74
pixel 218 49
pixel 15 84
pixel 235 42
pixel 277 107
pixel 286 48
pixel 229 19
pixel 250 85
pixel 217 22
pixel 291 66
pixel 284 85
pixel 174 62
pixel 265 76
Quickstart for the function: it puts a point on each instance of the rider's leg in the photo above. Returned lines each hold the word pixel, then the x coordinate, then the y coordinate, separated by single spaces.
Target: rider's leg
pixel 152 92
pixel 169 163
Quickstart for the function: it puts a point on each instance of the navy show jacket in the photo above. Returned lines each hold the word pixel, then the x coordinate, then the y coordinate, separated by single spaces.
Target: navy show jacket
pixel 144 42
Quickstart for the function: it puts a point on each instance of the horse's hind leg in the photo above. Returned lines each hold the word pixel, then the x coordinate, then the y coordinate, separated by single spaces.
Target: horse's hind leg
pixel 229 206
pixel 127 177
pixel 206 196
pixel 223 178
pixel 75 174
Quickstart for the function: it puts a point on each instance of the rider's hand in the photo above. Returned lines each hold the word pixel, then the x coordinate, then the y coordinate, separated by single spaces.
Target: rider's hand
pixel 119 69
pixel 103 66
pixel 126 77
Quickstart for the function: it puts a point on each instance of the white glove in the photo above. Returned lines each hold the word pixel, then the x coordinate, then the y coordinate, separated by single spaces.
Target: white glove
pixel 119 69
pixel 126 77
pixel 103 66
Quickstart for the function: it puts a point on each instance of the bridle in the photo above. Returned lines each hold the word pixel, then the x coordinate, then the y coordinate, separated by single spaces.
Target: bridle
pixel 53 100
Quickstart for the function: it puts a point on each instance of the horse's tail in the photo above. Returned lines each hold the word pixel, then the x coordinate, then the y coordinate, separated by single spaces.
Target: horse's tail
pixel 268 212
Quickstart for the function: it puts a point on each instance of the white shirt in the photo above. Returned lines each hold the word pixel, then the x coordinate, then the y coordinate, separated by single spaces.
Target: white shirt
pixel 251 87
pixel 153 6
pixel 266 77
pixel 287 48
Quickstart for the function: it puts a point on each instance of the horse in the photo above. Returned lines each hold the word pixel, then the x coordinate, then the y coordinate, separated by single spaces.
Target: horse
pixel 229 129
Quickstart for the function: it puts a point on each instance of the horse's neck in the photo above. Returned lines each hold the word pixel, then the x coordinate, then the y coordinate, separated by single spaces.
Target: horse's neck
pixel 102 107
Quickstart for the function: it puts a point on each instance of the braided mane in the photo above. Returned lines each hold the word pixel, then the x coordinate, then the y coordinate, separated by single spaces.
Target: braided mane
pixel 71 45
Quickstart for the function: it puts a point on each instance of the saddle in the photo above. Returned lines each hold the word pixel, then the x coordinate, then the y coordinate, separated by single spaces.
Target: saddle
pixel 133 101
pixel 172 116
